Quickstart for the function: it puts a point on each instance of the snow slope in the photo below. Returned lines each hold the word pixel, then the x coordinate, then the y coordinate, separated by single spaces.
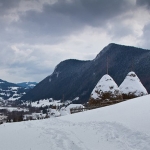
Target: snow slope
pixel 133 85
pixel 124 126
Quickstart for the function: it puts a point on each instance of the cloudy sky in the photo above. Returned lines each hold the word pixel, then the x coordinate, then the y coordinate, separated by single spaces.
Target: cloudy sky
pixel 35 35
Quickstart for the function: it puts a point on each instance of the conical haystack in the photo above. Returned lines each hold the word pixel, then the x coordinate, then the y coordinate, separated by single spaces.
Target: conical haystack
pixel 105 90
pixel 132 87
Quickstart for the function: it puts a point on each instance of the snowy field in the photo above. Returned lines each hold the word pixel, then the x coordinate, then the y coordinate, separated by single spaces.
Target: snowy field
pixel 124 126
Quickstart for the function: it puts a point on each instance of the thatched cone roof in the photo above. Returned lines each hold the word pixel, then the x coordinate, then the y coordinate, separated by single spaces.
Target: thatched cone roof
pixel 132 87
pixel 105 90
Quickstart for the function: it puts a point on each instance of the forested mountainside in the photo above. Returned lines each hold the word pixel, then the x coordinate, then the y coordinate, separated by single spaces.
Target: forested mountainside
pixel 75 78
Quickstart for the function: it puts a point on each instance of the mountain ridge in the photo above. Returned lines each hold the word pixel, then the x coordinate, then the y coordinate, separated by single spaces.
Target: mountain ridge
pixel 11 91
pixel 76 78
pixel 28 85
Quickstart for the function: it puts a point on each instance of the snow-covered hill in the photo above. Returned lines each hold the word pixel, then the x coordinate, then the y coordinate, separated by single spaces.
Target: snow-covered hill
pixel 124 126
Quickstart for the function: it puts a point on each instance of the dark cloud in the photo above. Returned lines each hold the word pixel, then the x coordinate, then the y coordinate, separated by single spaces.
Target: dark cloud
pixel 6 5
pixel 66 14
pixel 65 17
pixel 89 10
pixel 143 2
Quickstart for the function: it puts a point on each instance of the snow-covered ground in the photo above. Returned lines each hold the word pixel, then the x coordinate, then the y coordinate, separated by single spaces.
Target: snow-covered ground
pixel 124 126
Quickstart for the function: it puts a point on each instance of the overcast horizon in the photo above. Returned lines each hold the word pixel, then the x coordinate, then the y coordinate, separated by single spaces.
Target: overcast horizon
pixel 38 34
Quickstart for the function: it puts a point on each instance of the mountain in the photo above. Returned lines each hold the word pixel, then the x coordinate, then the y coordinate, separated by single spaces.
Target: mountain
pixel 75 78
pixel 11 91
pixel 28 85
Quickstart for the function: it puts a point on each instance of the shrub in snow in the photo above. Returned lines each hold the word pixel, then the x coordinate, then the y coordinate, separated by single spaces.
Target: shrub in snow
pixel 105 90
pixel 132 87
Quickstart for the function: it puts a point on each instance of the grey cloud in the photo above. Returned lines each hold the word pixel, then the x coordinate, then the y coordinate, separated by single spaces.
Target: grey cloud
pixel 65 17
pixel 143 2
pixel 146 36
pixel 119 30
pixel 6 5
pixel 23 66
pixel 87 10
pixel 52 25
pixel 68 14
